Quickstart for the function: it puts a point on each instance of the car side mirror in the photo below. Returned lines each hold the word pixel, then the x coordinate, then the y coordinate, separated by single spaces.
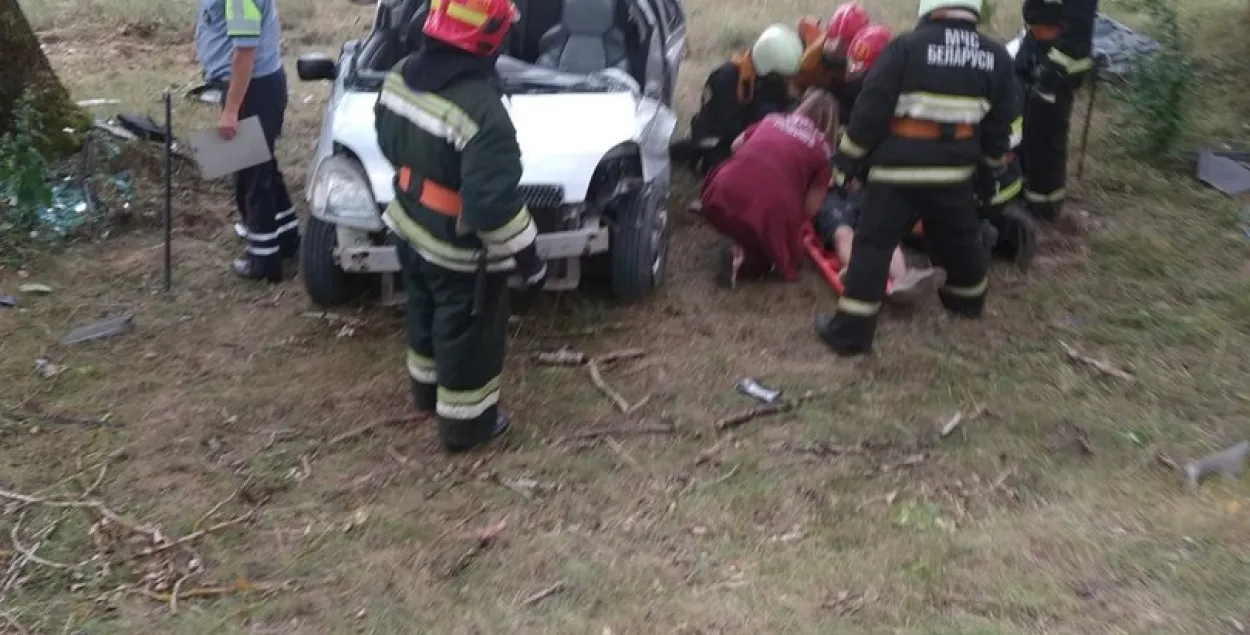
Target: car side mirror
pixel 313 67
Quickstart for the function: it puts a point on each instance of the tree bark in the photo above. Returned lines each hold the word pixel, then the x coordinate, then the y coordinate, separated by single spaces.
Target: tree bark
pixel 23 66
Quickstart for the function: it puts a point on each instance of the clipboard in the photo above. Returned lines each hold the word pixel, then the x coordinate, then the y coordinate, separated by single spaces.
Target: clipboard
pixel 218 157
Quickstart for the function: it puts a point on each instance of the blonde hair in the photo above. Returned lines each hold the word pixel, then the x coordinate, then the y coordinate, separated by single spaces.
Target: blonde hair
pixel 821 107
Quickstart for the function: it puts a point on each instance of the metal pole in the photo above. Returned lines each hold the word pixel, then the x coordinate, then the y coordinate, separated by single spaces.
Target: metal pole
pixel 169 191
pixel 1089 114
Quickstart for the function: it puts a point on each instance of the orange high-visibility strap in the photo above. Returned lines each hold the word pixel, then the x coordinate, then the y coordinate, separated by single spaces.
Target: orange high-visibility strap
pixel 746 77
pixel 909 128
pixel 404 178
pixel 443 200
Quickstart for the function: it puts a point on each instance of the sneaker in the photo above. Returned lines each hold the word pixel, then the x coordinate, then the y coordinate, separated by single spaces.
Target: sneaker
pixel 913 285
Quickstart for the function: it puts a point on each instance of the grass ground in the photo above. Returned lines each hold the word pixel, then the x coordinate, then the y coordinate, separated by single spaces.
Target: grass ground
pixel 1050 513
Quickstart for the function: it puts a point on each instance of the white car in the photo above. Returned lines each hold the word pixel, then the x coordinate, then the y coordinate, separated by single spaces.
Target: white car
pixel 589 85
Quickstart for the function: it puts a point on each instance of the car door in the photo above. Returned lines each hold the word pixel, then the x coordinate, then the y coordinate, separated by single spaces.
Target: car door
pixel 670 30
pixel 674 27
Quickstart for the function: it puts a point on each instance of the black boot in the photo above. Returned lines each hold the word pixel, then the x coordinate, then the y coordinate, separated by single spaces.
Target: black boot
pixel 424 396
pixel 502 422
pixel 251 267
pixel 824 328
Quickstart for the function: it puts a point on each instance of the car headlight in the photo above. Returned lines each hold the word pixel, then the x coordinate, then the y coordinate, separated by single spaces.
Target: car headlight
pixel 341 195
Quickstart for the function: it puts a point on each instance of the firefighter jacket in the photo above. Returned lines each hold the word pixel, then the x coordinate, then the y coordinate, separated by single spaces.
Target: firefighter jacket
pixel 457 166
pixel 939 101
pixel 1067 27
pixel 734 97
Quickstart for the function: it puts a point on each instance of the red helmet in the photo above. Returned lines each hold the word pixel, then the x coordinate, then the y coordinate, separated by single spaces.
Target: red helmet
pixel 845 23
pixel 866 47
pixel 476 26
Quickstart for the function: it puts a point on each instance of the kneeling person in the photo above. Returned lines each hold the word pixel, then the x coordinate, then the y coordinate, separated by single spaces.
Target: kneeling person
pixel 741 92
pixel 774 181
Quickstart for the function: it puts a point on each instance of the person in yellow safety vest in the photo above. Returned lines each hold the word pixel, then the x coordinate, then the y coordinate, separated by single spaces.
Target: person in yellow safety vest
pixel 459 214
pixel 938 103
pixel 741 92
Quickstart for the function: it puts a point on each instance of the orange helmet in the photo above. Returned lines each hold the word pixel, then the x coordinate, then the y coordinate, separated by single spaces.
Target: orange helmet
pixel 866 47
pixel 475 26
pixel 845 23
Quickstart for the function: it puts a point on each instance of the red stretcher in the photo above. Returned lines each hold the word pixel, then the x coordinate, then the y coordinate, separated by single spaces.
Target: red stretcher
pixel 826 260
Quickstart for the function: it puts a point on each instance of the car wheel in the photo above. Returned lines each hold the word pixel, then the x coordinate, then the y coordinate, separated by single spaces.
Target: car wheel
pixel 639 248
pixel 327 284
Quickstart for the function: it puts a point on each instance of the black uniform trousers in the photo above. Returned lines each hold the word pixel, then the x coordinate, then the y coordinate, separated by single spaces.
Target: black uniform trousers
pixel 455 358
pixel 1044 149
pixel 260 191
pixel 952 234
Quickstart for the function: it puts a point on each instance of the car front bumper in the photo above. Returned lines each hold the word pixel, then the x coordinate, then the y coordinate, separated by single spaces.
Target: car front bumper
pixel 552 246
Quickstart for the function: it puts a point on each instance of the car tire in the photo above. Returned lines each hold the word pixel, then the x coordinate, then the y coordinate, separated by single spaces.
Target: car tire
pixel 327 284
pixel 639 252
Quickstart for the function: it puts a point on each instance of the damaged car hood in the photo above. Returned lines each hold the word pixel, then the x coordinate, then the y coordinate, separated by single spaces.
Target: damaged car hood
pixel 562 136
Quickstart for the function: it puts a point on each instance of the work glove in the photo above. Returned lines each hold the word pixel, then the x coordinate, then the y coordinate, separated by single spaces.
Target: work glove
pixel 986 184
pixel 532 271
pixel 844 171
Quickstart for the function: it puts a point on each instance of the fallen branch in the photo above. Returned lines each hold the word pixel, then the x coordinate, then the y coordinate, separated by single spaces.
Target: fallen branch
pixel 242 586
pixel 597 379
pixel 734 421
pixel 543 594
pixel 638 405
pixel 196 535
pixel 379 423
pixel 29 552
pixel 569 357
pixel 959 419
pixel 215 508
pixel 620 355
pixel 596 433
pixel 562 357
pixel 1096 364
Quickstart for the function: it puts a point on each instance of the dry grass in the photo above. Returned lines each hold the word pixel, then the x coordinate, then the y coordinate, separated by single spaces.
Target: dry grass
pixel 1049 514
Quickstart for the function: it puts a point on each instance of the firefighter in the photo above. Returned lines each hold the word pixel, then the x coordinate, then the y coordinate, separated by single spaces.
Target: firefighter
pixel 1053 60
pixel 458 213
pixel 741 92
pixel 937 103
pixel 824 63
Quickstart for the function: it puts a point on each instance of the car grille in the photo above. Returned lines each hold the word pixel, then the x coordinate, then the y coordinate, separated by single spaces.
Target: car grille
pixel 542 196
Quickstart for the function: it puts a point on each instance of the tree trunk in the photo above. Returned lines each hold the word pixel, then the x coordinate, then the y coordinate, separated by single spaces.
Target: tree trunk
pixel 23 66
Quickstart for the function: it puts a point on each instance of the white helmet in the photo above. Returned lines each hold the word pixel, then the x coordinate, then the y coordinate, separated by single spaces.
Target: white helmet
pixel 929 6
pixel 779 49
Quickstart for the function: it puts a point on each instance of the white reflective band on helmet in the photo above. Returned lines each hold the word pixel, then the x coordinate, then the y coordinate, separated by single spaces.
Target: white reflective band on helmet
pixel 941 108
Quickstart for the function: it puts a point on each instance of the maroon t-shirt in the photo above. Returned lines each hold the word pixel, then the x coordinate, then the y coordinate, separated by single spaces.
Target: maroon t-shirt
pixel 756 197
